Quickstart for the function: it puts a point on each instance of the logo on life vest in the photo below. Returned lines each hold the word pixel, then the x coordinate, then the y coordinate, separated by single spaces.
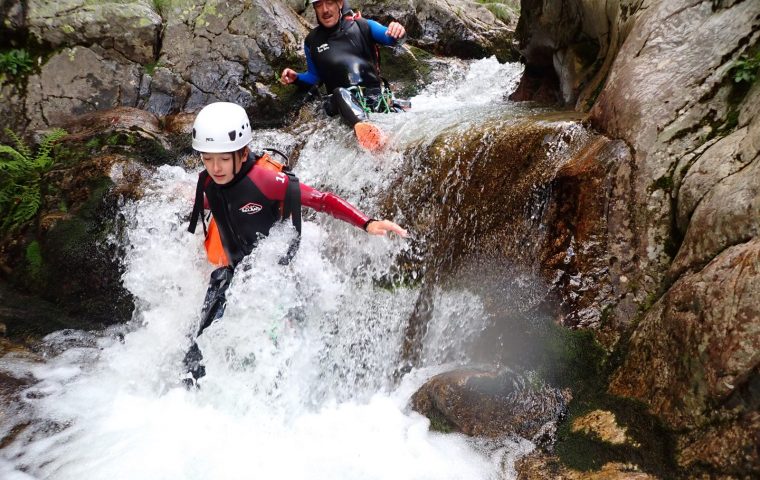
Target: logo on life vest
pixel 323 47
pixel 251 208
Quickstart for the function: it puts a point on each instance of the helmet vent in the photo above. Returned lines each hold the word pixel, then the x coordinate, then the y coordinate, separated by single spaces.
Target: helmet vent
pixel 231 134
pixel 193 133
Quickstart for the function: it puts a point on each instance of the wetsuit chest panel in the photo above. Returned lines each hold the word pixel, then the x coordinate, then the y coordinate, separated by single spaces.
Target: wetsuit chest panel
pixel 243 214
pixel 342 57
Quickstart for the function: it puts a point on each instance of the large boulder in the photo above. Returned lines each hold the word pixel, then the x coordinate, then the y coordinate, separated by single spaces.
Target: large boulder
pixel 220 51
pixel 79 80
pixel 693 361
pixel 129 28
pixel 489 403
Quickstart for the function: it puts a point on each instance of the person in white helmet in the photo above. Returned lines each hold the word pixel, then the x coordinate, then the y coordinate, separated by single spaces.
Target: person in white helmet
pixel 247 194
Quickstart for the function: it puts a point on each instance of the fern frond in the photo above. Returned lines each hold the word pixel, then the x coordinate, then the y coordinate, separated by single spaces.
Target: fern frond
pixel 17 158
pixel 21 146
pixel 43 161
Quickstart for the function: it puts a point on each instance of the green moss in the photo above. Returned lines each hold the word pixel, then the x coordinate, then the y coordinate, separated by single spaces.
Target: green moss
pixel 34 255
pixel 93 143
pixel 150 68
pixel 439 423
pixel 665 183
pixel 650 445
pixel 408 70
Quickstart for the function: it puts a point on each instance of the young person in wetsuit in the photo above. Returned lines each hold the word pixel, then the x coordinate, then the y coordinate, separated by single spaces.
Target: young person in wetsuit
pixel 246 199
pixel 342 53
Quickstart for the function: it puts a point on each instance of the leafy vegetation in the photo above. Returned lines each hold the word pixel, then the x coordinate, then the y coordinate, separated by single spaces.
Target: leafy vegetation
pixel 746 68
pixel 16 62
pixel 21 174
pixel 505 10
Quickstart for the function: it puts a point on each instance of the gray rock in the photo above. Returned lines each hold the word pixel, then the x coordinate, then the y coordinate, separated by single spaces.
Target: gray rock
pixel 79 80
pixel 130 28
pixel 448 27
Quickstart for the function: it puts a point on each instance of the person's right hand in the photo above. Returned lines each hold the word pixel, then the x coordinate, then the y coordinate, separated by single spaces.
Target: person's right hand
pixel 288 76
pixel 381 227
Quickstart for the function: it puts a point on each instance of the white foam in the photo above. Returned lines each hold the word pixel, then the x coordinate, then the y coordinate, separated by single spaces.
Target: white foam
pixel 300 370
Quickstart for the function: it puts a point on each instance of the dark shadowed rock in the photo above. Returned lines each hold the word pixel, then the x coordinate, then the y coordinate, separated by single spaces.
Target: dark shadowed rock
pixel 489 403
pixel 568 47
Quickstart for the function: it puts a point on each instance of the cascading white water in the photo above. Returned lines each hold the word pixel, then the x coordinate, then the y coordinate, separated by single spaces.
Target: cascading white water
pixel 300 370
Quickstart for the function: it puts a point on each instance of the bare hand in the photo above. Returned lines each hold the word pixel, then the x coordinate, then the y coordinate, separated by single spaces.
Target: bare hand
pixel 395 30
pixel 381 227
pixel 288 76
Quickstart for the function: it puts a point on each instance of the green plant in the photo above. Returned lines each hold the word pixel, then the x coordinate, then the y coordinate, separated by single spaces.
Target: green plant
pixel 745 69
pixel 504 10
pixel 21 179
pixel 16 62
pixel 150 68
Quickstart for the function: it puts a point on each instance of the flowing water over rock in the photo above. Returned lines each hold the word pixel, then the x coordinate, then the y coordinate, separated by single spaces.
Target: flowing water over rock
pixel 310 372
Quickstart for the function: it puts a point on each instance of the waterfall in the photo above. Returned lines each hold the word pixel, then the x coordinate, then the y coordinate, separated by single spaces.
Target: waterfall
pixel 302 371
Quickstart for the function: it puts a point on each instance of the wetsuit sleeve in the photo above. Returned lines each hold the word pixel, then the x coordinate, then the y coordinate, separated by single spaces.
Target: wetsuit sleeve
pixel 310 77
pixel 333 205
pixel 378 34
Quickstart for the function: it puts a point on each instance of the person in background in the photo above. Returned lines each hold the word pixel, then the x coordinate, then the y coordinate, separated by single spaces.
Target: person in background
pixel 342 52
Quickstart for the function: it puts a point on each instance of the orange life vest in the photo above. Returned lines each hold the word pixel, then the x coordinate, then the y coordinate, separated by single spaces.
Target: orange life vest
pixel 213 243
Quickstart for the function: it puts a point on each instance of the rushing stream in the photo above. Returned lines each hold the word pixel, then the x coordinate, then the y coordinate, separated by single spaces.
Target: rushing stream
pixel 302 370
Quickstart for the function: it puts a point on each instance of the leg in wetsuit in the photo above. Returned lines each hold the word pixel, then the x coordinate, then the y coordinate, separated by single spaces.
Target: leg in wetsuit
pixel 213 308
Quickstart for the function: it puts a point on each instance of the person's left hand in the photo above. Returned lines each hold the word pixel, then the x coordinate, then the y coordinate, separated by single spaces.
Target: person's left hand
pixel 381 227
pixel 395 30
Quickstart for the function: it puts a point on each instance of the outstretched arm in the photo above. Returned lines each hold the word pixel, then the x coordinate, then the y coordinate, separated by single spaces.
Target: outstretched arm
pixel 342 210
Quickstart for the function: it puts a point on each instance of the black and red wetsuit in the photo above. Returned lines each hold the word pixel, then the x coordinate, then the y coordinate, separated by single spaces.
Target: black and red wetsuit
pixel 246 208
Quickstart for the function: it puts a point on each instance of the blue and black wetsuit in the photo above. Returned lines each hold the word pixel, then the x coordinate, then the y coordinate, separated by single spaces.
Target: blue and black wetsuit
pixel 346 56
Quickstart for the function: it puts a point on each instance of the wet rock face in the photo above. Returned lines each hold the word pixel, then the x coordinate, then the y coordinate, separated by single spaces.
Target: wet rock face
pixel 693 360
pixel 490 404
pixel 669 115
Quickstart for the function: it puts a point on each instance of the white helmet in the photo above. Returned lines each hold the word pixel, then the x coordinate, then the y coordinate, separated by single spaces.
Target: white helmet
pixel 221 127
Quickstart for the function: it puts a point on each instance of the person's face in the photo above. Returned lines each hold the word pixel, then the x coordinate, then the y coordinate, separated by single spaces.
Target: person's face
pixel 328 12
pixel 222 166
